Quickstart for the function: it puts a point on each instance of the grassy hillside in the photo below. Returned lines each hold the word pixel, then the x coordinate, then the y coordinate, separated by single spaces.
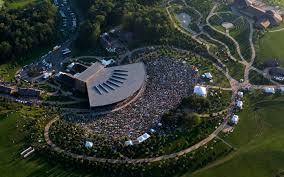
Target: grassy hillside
pixel 12 165
pixel 271 46
pixel 259 139
pixel 275 2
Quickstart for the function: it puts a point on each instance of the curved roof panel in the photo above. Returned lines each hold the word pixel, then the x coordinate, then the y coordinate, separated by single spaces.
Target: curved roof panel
pixel 111 85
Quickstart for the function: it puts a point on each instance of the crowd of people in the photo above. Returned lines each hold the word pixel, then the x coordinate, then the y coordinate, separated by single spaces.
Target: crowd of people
pixel 168 81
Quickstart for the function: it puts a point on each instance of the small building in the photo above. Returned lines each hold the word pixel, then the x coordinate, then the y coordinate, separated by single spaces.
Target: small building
pixel 208 75
pixel 271 63
pixel 276 72
pixel 200 91
pixel 89 144
pixel 70 66
pixel 142 138
pixel 240 104
pixel 235 119
pixel 46 75
pixel 107 62
pixel 29 92
pixel 241 94
pixel 269 90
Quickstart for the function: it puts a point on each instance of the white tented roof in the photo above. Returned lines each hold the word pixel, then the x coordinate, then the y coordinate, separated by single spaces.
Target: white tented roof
pixel 70 66
pixel 107 62
pixel 269 90
pixel 128 143
pixel 240 94
pixel 142 138
pixel 235 119
pixel 240 104
pixel 89 144
pixel 208 75
pixel 200 91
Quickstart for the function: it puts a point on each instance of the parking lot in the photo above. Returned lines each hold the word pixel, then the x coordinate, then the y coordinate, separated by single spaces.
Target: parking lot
pixel 50 62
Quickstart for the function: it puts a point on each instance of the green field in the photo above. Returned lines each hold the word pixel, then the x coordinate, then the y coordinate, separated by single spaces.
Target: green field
pixel 12 142
pixel 275 2
pixel 271 46
pixel 259 139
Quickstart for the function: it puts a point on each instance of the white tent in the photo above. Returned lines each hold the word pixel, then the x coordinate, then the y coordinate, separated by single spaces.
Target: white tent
pixel 208 75
pixel 128 143
pixel 89 144
pixel 282 89
pixel 235 119
pixel 269 90
pixel 70 66
pixel 240 104
pixel 142 138
pixel 200 91
pixel 107 62
pixel 241 94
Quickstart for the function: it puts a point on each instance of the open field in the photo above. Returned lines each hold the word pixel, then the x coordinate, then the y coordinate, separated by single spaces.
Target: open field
pixel 275 2
pixel 271 46
pixel 12 165
pixel 258 139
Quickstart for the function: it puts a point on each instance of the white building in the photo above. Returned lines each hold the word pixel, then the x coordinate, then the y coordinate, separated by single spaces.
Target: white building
pixel 208 76
pixel 47 75
pixel 200 91
pixel 240 104
pixel 235 119
pixel 89 144
pixel 142 138
pixel 107 62
pixel 241 94
pixel 269 90
pixel 70 66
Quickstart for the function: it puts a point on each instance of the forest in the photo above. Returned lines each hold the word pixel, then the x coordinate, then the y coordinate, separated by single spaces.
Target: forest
pixel 147 19
pixel 22 31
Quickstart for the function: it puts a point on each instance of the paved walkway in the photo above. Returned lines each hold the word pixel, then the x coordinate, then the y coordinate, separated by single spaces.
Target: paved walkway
pixel 133 161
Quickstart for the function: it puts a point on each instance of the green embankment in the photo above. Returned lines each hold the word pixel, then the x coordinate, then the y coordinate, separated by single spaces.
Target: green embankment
pixel 12 142
pixel 259 139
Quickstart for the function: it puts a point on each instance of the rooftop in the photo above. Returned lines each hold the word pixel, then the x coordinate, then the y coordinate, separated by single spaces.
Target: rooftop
pixel 109 85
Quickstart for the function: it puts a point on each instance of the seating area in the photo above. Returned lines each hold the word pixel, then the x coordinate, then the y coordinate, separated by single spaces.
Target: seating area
pixel 165 89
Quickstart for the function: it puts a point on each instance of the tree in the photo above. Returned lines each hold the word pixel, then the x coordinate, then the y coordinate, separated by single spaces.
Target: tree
pixel 5 49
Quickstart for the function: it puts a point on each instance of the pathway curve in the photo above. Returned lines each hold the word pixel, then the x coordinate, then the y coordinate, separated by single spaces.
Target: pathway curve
pixel 132 161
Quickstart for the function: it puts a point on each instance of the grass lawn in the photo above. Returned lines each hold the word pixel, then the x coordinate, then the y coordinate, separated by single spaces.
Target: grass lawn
pixel 275 2
pixel 12 165
pixel 271 46
pixel 259 139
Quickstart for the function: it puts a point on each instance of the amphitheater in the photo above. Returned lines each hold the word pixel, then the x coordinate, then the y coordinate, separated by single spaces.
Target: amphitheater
pixel 167 82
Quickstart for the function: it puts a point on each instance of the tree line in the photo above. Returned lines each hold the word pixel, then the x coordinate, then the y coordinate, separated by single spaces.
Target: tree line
pixel 24 30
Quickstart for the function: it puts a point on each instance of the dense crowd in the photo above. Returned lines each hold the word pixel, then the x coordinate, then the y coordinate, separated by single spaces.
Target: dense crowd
pixel 168 81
